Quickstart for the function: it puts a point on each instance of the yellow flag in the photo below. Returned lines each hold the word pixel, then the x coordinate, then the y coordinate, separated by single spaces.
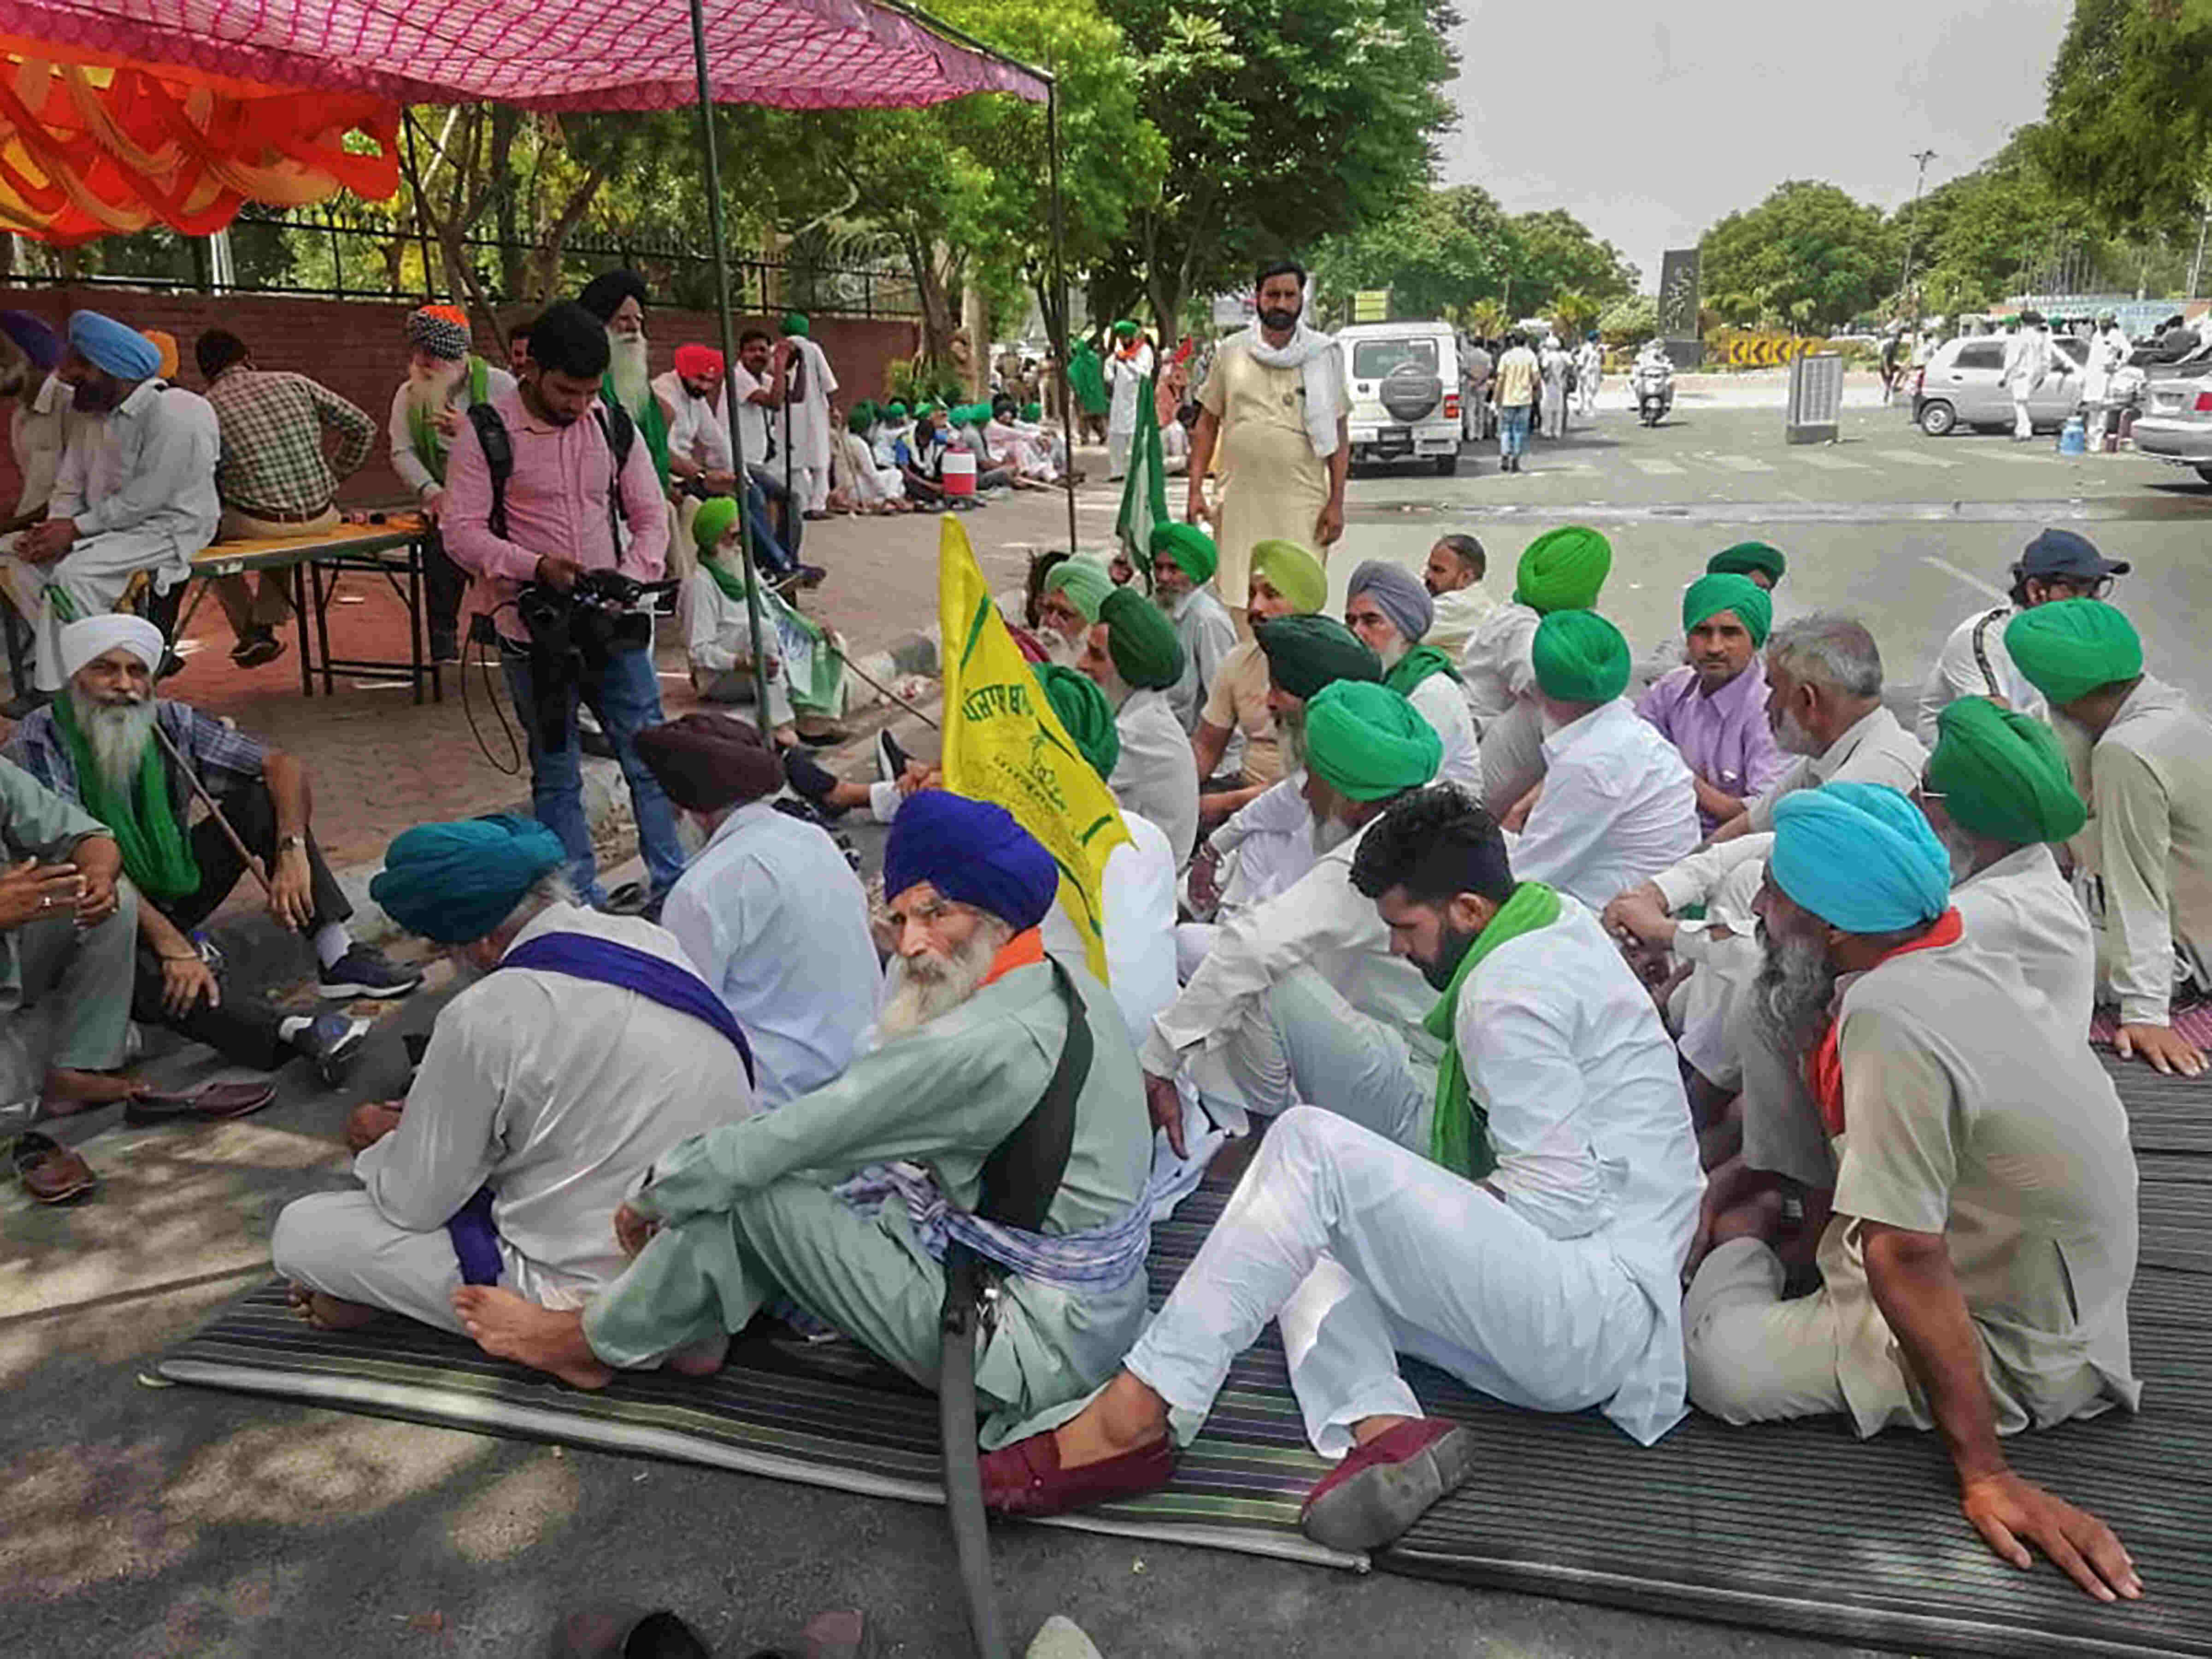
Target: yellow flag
pixel 1003 742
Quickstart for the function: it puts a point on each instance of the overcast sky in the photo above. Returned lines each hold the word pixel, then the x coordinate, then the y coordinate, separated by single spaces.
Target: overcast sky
pixel 1698 107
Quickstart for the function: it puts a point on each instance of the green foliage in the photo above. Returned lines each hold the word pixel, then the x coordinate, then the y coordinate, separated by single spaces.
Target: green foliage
pixel 1556 254
pixel 1438 258
pixel 1808 258
pixel 1631 321
pixel 2128 124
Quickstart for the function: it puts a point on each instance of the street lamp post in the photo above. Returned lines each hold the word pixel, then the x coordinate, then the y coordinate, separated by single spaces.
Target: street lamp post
pixel 1912 235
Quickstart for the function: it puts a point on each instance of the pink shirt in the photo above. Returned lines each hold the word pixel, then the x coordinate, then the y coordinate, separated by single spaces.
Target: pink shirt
pixel 1723 738
pixel 556 503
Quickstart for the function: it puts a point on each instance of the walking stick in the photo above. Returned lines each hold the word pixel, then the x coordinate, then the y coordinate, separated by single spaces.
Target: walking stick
pixel 956 1420
pixel 207 800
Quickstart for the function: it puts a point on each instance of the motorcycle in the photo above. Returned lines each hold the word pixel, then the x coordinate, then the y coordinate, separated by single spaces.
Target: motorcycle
pixel 1653 382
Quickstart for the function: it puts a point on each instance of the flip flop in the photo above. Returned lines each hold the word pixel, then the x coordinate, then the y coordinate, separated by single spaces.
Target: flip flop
pixel 208 1103
pixel 51 1172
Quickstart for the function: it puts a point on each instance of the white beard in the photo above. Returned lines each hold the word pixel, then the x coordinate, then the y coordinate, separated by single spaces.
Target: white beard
pixel 1956 848
pixel 1791 738
pixel 117 735
pixel 926 987
pixel 629 366
pixel 1394 655
pixel 1062 651
pixel 1291 735
pixel 1329 834
pixel 430 389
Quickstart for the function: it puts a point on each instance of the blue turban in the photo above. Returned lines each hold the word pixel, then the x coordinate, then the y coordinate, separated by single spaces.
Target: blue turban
pixel 1861 857
pixel 971 852
pixel 33 338
pixel 454 883
pixel 114 347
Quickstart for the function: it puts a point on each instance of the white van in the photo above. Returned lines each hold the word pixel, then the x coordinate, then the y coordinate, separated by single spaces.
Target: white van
pixel 1408 396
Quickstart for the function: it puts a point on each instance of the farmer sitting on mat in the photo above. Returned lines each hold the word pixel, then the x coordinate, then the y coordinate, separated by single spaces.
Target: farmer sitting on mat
pixel 977 1058
pixel 588 1049
pixel 1534 1249
pixel 1975 1272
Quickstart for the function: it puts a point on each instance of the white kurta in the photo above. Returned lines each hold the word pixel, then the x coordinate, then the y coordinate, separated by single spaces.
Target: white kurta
pixel 1440 701
pixel 695 427
pixel 1958 671
pixel 37 431
pixel 1459 612
pixel 1157 774
pixel 1124 377
pixel 811 433
pixel 556 1092
pixel 1555 1290
pixel 2021 910
pixel 1874 749
pixel 1618 806
pixel 399 431
pixel 1206 636
pixel 720 634
pixel 777 922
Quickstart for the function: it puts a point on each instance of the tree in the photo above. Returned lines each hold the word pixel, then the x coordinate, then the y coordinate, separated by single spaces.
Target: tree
pixel 2129 122
pixel 1808 258
pixel 1448 249
pixel 1556 254
pixel 1631 321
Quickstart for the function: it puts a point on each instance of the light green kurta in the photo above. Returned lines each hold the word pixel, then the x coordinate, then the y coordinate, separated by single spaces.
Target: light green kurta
pixel 750 1217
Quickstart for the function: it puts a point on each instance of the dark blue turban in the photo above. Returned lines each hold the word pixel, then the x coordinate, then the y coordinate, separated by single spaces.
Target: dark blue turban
pixel 971 852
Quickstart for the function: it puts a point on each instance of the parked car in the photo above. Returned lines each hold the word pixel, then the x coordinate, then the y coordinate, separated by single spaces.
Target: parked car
pixel 2175 425
pixel 1408 398
pixel 1960 387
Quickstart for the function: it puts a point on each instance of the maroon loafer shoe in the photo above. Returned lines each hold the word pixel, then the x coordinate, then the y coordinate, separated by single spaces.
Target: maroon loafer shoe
pixel 1026 1478
pixel 205 1105
pixel 1383 1487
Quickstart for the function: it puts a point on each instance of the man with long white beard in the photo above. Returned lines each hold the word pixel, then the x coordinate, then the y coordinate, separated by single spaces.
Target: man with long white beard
pixel 1183 558
pixel 1067 606
pixel 444 379
pixel 96 746
pixel 1974 1275
pixel 586 1046
pixel 617 299
pixel 846 1200
pixel 1389 609
pixel 1133 653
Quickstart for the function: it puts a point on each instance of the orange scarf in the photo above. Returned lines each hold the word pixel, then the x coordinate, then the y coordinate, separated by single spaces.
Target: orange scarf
pixel 1019 952
pixel 1824 1066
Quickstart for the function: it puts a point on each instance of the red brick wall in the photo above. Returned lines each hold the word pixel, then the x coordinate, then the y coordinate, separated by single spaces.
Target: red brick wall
pixel 358 348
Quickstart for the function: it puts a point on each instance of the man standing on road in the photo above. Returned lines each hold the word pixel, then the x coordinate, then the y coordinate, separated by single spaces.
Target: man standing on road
pixel 1589 368
pixel 1893 351
pixel 2108 350
pixel 1275 410
pixel 759 383
pixel 812 384
pixel 1513 392
pixel 2027 366
pixel 1557 369
pixel 1127 371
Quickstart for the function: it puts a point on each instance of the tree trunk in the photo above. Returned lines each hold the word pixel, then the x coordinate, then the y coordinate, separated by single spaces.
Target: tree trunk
pixel 976 317
pixel 936 303
pixel 513 258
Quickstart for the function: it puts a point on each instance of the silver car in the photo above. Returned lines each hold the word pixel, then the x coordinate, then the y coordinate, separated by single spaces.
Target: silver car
pixel 2175 422
pixel 1960 386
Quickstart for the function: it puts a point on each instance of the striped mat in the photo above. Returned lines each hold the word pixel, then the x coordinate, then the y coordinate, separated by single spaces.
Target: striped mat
pixel 1794 1527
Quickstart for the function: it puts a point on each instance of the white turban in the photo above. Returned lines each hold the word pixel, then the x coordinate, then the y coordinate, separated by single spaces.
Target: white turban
pixel 95 636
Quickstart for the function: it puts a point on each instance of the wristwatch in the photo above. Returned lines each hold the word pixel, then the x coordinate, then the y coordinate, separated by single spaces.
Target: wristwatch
pixel 286 843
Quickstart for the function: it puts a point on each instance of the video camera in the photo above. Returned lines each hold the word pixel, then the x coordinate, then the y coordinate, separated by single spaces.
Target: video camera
pixel 578 633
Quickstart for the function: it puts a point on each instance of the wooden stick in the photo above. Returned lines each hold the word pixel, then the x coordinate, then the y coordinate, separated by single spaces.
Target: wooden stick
pixel 207 800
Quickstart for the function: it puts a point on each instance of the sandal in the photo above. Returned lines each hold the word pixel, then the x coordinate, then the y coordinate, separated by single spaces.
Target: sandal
pixel 51 1172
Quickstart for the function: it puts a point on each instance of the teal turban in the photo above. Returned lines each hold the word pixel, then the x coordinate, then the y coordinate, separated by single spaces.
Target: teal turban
pixel 1291 571
pixel 1082 709
pixel 1140 639
pixel 1747 557
pixel 1563 569
pixel 1305 654
pixel 1580 657
pixel 2001 775
pixel 1711 594
pixel 2069 647
pixel 1084 581
pixel 454 883
pixel 1191 548
pixel 1367 742
pixel 1861 857
pixel 113 348
pixel 712 522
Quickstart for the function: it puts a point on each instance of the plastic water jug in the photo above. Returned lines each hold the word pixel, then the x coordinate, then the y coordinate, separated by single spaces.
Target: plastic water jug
pixel 2073 437
pixel 959 475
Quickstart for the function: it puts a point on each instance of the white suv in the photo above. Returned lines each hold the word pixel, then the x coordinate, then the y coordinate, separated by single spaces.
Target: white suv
pixel 1408 399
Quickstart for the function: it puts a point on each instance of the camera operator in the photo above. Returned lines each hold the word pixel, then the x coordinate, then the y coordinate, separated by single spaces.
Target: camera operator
pixel 529 529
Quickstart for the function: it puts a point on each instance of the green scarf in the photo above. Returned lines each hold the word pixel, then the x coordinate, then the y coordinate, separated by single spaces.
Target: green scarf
pixel 819 689
pixel 1416 665
pixel 652 424
pixel 1459 1138
pixel 423 435
pixel 155 854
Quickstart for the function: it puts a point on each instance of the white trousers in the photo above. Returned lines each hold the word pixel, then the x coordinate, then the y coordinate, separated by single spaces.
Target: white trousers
pixel 88 581
pixel 1363 1250
pixel 1117 450
pixel 809 487
pixel 1303 1044
pixel 2022 427
pixel 1555 410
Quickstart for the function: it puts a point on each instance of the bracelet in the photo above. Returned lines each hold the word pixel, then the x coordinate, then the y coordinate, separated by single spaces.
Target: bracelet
pixel 179 956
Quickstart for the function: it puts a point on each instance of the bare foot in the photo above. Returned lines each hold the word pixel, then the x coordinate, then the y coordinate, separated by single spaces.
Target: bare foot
pixel 506 1326
pixel 1370 1428
pixel 326 1312
pixel 1126 1415
pixel 701 1358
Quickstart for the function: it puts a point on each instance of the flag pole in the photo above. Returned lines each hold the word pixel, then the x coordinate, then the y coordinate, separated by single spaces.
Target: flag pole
pixel 1060 299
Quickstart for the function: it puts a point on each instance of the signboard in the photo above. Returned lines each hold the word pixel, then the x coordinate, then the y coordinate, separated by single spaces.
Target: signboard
pixel 1371 305
pixel 1816 398
pixel 1764 350
pixel 1678 306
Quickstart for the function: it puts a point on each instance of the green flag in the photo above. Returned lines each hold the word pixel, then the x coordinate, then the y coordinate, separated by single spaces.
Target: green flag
pixel 1145 487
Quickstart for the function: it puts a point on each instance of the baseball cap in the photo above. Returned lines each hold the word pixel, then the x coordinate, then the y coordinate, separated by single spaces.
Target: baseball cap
pixel 2062 553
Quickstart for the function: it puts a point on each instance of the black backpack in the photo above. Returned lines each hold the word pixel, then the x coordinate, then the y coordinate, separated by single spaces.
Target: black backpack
pixel 615 425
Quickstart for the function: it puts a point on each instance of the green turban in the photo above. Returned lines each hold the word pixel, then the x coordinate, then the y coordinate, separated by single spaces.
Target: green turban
pixel 1291 571
pixel 2069 647
pixel 1305 654
pixel 861 415
pixel 1125 329
pixel 1563 569
pixel 1084 581
pixel 1368 741
pixel 1191 548
pixel 1141 640
pixel 1747 557
pixel 2001 775
pixel 794 322
pixel 895 410
pixel 1580 657
pixel 1083 710
pixel 1031 412
pixel 1709 595
pixel 713 521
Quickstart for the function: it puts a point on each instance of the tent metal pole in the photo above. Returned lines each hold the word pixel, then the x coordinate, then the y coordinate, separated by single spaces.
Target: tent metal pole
pixel 1060 299
pixel 421 213
pixel 729 332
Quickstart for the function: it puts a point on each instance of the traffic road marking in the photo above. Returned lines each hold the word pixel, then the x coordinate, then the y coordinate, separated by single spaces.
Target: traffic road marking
pixel 1832 463
pixel 1913 458
pixel 1742 464
pixel 1655 466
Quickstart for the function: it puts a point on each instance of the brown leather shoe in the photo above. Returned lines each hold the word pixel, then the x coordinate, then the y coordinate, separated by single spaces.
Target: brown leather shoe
pixel 207 1104
pixel 51 1172
pixel 1026 1478
pixel 1383 1487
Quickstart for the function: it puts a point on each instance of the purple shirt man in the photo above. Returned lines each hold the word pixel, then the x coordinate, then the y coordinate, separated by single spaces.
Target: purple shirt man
pixel 1713 709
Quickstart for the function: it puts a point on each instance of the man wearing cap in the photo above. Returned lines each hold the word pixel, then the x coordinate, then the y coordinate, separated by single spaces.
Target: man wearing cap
pixel 1974 663
pixel 1387 606
pixel 1067 606
pixel 1617 804
pixel 134 491
pixel 746 1216
pixel 1300 998
pixel 444 378
pixel 807 398
pixel 768 911
pixel 1133 653
pixel 1530 1241
pixel 2149 769
pixel 585 1048
pixel 1974 1275
pixel 1561 569
pixel 275 476
pixel 1452 574
pixel 1286 581
pixel 1182 564
pixel 1713 707
pixel 617 299
pixel 38 423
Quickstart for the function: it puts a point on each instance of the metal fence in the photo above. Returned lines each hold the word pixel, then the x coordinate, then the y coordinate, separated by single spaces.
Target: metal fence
pixel 339 251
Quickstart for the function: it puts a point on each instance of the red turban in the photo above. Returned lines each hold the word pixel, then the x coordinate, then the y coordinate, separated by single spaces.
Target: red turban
pixel 698 362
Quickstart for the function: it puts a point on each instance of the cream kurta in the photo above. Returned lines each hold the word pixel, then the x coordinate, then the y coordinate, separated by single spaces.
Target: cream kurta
pixel 1272 484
